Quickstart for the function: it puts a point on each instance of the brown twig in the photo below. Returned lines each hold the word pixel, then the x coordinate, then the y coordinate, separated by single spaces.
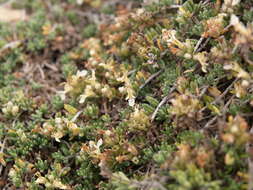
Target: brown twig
pixel 225 92
pixel 1 151
pixel 76 116
pixel 222 95
pixel 50 66
pixel 10 45
pixel 203 91
pixel 41 72
pixel 131 72
pixel 153 76
pixel 203 45
pixel 164 100
pixel 148 184
pixel 210 122
pixel 198 44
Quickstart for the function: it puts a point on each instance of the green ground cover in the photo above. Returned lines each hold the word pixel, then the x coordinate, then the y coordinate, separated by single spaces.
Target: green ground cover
pixel 127 95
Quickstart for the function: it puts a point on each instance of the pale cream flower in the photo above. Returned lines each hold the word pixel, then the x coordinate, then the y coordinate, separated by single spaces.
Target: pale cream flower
pixel 95 147
pixel 202 58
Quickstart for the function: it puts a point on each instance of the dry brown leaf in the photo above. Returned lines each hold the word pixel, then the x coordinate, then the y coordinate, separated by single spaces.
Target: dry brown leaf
pixel 214 91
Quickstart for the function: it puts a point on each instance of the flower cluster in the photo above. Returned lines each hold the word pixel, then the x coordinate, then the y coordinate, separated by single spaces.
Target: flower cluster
pixel 113 95
pixel 58 128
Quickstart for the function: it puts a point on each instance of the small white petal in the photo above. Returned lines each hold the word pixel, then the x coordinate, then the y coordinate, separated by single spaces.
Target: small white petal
pixel 62 95
pixel 82 99
pixel 235 2
pixel 234 20
pixel 82 73
pixel 99 143
pixel 79 2
pixel 131 102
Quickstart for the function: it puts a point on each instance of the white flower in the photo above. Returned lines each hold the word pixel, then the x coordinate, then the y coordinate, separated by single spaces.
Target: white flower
pixel 58 135
pixel 79 2
pixel 131 102
pixel 232 2
pixel 62 95
pixel 234 20
pixel 122 89
pixel 170 37
pixel 202 58
pixel 41 180
pixel 245 83
pixel 82 73
pixel 95 147
pixel 140 11
pixel 88 92
pixel 15 110
pixel 58 120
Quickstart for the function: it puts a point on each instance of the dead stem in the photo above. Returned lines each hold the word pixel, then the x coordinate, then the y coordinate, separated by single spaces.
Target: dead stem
pixel 153 76
pixel 198 44
pixel 164 100
pixel 1 151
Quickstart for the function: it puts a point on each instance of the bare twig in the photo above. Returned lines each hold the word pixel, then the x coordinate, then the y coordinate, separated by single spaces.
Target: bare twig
pixel 222 95
pixel 226 91
pixel 203 91
pixel 235 49
pixel 198 44
pixel 203 45
pixel 148 184
pixel 10 45
pixel 1 151
pixel 205 2
pixel 224 109
pixel 131 72
pixel 50 66
pixel 175 6
pixel 210 122
pixel 151 78
pixel 41 72
pixel 76 116
pixel 164 100
pixel 47 87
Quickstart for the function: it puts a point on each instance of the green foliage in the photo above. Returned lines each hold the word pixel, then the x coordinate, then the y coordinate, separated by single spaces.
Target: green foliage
pixel 126 95
pixel 193 178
